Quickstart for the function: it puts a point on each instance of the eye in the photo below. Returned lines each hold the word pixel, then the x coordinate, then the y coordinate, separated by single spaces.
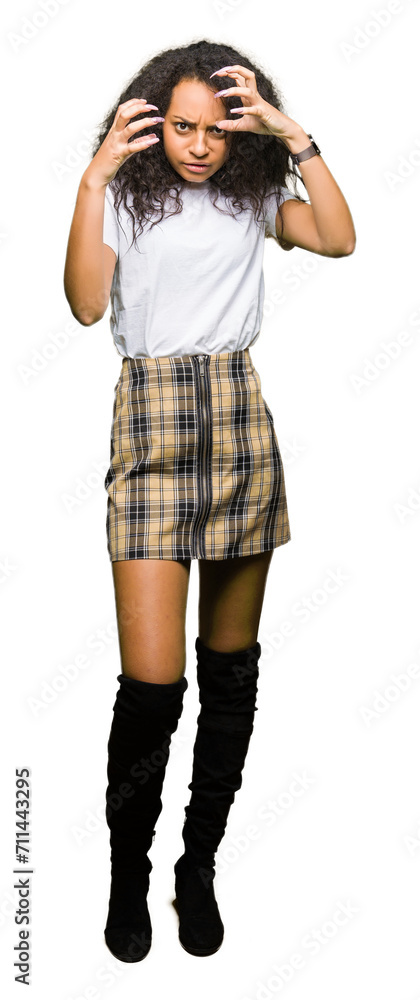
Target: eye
pixel 215 128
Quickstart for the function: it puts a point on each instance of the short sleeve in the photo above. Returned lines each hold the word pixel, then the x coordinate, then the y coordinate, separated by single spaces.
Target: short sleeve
pixel 272 203
pixel 110 233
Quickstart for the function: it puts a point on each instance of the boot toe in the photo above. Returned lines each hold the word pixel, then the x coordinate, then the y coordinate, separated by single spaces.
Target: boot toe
pixel 201 929
pixel 128 944
pixel 201 936
pixel 128 931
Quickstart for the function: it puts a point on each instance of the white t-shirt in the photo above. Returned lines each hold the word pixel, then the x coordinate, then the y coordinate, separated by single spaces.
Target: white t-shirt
pixel 197 286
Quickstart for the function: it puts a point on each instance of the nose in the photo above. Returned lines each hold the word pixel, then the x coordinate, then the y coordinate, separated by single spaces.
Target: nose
pixel 198 143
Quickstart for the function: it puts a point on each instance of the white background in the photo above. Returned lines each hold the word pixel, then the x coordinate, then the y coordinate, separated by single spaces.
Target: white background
pixel 347 418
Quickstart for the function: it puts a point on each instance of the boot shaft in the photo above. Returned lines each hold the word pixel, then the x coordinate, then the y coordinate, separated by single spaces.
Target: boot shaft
pixel 145 718
pixel 228 692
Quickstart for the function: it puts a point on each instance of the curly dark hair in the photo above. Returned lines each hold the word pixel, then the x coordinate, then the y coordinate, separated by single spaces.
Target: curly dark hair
pixel 256 165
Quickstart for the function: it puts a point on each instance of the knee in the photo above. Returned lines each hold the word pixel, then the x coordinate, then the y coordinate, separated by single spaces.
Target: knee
pixel 154 658
pixel 228 642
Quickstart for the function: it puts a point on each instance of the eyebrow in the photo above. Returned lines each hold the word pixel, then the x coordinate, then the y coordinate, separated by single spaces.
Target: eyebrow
pixel 191 123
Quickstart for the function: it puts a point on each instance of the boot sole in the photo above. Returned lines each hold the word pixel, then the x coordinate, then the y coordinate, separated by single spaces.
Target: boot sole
pixel 198 952
pixel 125 956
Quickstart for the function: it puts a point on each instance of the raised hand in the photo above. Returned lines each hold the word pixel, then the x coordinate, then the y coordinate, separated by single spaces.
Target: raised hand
pixel 116 148
pixel 256 114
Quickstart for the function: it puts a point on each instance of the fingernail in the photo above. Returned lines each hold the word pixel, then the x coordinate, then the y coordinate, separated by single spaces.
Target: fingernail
pixel 221 93
pixel 157 120
pixel 219 72
pixel 151 107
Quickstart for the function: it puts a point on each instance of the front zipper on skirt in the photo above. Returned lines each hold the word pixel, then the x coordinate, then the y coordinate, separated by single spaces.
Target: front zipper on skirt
pixel 204 484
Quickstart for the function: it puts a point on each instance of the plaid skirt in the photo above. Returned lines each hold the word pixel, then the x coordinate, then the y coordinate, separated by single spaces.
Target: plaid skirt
pixel 195 466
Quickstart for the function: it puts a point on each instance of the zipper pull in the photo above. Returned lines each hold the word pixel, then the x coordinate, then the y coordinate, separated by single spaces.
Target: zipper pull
pixel 202 357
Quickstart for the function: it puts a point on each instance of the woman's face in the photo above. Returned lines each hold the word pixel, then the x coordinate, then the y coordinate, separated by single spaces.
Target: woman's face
pixel 190 133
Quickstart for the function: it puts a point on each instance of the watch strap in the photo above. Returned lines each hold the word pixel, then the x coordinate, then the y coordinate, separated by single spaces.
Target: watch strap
pixel 305 154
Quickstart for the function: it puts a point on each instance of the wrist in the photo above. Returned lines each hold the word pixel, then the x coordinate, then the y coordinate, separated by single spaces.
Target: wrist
pixel 92 182
pixel 298 141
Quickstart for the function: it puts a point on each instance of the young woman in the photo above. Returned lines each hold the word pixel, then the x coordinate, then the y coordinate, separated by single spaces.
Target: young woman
pixel 171 225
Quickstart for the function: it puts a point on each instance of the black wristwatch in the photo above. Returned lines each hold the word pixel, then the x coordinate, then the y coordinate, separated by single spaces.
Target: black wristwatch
pixel 312 150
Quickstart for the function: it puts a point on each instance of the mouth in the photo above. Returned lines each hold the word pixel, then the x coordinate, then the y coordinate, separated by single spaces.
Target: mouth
pixel 196 167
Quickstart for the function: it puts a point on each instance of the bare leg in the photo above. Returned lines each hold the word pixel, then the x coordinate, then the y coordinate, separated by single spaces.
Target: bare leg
pixel 231 598
pixel 151 599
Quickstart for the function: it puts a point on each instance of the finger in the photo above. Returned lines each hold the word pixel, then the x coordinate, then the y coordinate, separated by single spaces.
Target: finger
pixel 127 110
pixel 127 107
pixel 143 123
pixel 246 73
pixel 230 125
pixel 220 72
pixel 133 100
pixel 240 91
pixel 249 111
pixel 146 107
pixel 144 140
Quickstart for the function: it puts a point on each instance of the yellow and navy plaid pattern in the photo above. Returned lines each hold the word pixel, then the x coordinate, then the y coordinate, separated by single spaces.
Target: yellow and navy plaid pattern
pixel 195 466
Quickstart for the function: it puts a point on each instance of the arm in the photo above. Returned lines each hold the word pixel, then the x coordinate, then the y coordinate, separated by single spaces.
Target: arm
pixel 89 262
pixel 325 226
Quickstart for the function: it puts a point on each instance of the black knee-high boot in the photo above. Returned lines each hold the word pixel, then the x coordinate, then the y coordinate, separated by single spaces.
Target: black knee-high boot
pixel 145 717
pixel 227 690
